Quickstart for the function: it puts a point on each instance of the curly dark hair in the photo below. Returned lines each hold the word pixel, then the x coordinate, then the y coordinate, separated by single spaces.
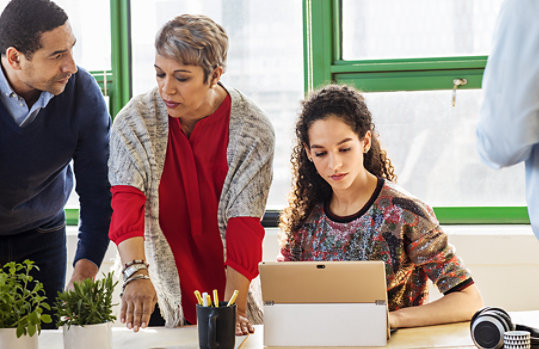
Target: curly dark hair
pixel 23 21
pixel 309 188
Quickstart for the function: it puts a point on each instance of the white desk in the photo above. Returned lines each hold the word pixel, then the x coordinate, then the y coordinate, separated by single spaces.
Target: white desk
pixel 443 336
pixel 149 338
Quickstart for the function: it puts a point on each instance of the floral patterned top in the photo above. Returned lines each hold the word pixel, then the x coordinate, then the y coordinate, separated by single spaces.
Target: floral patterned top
pixel 394 227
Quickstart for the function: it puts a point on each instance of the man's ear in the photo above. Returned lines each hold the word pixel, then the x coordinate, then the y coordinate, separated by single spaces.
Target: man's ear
pixel 14 57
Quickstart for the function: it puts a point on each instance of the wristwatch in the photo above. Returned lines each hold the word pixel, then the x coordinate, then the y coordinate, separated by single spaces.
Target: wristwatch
pixel 132 269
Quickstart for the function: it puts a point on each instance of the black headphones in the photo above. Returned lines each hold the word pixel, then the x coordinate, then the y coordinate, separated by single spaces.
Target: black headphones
pixel 488 326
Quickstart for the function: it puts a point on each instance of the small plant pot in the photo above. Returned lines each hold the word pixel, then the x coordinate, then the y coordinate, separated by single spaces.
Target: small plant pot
pixel 9 340
pixel 88 336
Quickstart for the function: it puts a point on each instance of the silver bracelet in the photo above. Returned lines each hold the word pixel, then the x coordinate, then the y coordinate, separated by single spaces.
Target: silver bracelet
pixel 132 269
pixel 133 278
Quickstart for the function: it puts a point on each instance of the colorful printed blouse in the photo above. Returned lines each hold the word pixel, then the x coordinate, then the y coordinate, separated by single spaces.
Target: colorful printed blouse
pixel 394 227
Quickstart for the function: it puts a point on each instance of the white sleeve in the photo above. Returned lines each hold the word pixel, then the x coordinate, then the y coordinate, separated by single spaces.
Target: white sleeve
pixel 508 124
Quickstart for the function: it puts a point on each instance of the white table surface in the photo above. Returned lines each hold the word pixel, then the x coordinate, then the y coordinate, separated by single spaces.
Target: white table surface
pixel 444 336
pixel 148 338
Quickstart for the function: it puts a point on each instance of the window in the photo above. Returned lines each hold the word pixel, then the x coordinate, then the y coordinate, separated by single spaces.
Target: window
pixel 405 56
pixel 264 61
pixel 417 28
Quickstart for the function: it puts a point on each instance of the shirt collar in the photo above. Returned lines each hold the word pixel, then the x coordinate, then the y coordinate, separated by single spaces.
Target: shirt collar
pixel 5 89
pixel 44 98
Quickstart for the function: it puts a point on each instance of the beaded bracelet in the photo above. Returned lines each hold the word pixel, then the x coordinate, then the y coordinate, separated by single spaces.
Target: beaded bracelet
pixel 135 261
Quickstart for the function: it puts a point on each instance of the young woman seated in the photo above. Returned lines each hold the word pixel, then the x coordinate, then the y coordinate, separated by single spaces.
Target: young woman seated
pixel 345 206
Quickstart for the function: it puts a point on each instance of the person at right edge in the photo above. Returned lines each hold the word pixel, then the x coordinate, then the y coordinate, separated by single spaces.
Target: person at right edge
pixel 508 127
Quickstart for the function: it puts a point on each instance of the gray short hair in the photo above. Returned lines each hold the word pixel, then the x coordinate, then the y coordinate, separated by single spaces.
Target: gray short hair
pixel 194 40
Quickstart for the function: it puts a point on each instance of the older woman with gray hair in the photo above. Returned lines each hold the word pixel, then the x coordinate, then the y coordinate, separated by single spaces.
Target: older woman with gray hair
pixel 190 169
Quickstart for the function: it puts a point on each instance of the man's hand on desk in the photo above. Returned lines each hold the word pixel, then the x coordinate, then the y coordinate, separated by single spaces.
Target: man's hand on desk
pixel 83 269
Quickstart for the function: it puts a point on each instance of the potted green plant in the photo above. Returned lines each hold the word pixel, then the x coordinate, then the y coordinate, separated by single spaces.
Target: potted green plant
pixel 22 300
pixel 85 313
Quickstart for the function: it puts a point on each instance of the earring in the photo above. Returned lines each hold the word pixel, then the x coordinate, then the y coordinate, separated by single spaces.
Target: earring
pixel 310 159
pixel 366 150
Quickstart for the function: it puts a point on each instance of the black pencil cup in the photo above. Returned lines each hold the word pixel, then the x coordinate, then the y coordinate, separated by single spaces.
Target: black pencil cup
pixel 216 326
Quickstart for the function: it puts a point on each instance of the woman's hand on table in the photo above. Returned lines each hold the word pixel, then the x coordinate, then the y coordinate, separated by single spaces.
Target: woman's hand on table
pixel 243 326
pixel 236 282
pixel 138 303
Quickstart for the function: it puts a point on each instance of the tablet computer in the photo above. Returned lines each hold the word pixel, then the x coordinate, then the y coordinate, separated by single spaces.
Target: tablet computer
pixel 324 303
pixel 323 282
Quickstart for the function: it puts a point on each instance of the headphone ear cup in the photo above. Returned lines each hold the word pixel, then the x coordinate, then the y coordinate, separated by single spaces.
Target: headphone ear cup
pixel 479 312
pixel 508 324
pixel 488 326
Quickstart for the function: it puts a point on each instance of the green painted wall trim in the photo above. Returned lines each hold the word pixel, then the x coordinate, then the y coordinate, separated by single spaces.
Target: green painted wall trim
pixel 72 216
pixel 120 14
pixel 482 215
pixel 445 215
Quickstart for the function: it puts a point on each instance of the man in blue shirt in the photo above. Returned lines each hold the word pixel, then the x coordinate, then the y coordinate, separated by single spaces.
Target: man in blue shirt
pixel 508 128
pixel 51 113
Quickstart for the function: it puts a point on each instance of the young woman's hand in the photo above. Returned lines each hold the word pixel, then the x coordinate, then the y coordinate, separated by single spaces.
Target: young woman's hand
pixel 453 307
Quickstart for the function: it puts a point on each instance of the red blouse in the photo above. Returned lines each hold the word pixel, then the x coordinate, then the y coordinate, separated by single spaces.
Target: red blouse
pixel 189 191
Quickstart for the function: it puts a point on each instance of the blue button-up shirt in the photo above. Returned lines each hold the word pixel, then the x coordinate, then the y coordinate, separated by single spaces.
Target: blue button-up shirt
pixel 16 105
pixel 508 126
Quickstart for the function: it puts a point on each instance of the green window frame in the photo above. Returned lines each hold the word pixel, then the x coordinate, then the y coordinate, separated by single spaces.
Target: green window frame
pixel 323 63
pixel 120 23
pixel 115 83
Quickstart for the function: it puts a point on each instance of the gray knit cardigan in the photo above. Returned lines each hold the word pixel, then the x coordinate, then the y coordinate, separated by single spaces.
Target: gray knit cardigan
pixel 138 144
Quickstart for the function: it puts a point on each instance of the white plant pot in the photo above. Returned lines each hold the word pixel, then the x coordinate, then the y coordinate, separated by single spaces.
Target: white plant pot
pixel 88 337
pixel 9 340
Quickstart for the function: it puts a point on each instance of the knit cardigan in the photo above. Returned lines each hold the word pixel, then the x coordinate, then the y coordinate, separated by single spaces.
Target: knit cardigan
pixel 138 145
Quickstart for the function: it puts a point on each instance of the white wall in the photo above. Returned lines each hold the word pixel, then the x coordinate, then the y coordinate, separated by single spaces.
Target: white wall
pixel 503 259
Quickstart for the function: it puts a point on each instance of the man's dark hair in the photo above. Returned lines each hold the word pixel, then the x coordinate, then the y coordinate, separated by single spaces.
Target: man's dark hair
pixel 23 21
